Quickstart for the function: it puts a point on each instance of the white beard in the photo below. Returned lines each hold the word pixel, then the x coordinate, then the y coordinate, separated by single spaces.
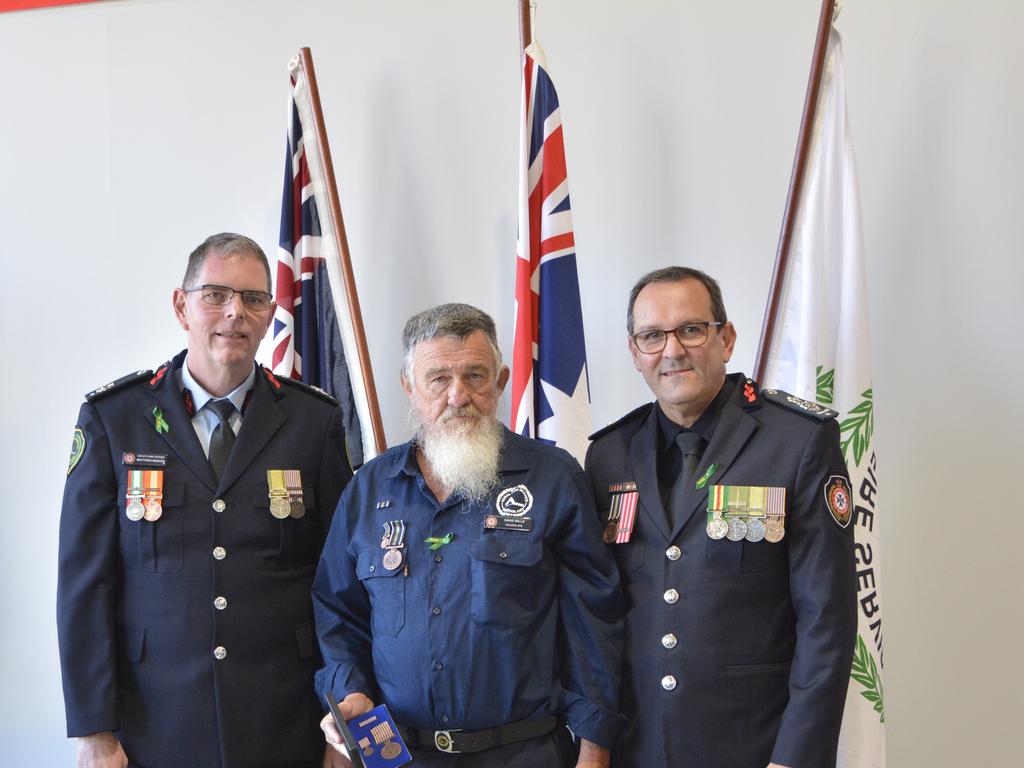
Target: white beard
pixel 464 457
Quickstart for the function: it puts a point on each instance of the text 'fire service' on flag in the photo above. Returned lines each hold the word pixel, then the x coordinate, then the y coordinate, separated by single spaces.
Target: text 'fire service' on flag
pixel 313 336
pixel 821 351
pixel 550 391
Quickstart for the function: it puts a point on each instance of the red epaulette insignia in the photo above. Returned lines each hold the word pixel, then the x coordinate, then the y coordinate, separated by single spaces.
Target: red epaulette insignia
pixel 272 379
pixel 749 390
pixel 159 375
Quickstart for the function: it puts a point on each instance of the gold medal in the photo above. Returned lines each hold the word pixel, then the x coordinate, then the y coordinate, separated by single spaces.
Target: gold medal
pixel 390 751
pixel 153 510
pixel 609 533
pixel 393 559
pixel 775 529
pixel 280 507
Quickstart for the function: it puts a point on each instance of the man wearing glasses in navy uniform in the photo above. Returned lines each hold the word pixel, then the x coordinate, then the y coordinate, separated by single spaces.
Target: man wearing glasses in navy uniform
pixel 728 508
pixel 197 501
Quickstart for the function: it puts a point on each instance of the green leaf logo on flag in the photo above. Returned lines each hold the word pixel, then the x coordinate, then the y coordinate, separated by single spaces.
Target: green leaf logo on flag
pixel 865 672
pixel 860 424
pixel 826 386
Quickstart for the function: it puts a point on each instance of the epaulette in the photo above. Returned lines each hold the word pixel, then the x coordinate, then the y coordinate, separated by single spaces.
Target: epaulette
pixel 276 381
pixel 794 403
pixel 117 384
pixel 634 414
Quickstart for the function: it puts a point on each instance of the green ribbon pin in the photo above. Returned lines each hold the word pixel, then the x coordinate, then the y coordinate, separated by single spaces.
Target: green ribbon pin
pixel 706 476
pixel 160 423
pixel 436 542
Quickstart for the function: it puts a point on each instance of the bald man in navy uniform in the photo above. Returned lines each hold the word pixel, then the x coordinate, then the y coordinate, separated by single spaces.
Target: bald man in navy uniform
pixel 183 607
pixel 740 619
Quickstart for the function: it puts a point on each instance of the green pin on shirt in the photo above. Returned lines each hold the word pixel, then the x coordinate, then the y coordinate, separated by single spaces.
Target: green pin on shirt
pixel 703 480
pixel 159 422
pixel 436 542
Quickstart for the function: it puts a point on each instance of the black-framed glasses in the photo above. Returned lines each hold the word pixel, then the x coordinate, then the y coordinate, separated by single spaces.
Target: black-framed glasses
pixel 219 295
pixel 653 341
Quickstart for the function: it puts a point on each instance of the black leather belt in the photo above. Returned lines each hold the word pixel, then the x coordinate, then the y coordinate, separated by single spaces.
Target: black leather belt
pixel 478 741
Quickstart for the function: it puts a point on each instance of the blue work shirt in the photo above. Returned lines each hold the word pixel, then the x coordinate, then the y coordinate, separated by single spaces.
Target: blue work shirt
pixel 496 626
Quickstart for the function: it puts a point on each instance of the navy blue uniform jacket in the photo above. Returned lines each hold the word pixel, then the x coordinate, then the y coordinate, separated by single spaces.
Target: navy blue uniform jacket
pixel 763 632
pixel 136 617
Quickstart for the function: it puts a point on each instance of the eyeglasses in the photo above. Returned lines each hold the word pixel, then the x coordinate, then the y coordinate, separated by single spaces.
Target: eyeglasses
pixel 689 335
pixel 220 295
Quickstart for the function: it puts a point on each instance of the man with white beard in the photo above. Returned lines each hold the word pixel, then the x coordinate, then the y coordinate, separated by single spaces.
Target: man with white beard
pixel 463 582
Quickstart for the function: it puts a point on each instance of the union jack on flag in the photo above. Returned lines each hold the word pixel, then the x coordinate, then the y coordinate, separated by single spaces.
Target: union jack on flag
pixel 550 390
pixel 310 319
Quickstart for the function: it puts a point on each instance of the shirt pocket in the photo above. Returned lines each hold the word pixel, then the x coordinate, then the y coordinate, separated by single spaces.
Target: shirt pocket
pixel 505 589
pixel 157 546
pixel 386 590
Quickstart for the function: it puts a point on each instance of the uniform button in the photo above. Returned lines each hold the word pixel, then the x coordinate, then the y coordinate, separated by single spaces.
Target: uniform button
pixel 438 666
pixel 220 652
pixel 438 558
pixel 673 552
pixel 219 505
pixel 220 603
pixel 669 640
pixel 668 682
pixel 219 553
pixel 671 596
pixel 436 611
pixel 444 718
pixel 503 555
pixel 373 568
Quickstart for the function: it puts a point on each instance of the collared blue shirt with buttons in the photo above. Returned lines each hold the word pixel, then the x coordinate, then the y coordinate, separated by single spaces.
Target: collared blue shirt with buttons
pixel 496 626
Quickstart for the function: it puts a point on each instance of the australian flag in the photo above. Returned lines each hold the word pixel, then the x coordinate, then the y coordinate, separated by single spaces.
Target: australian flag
pixel 307 333
pixel 550 389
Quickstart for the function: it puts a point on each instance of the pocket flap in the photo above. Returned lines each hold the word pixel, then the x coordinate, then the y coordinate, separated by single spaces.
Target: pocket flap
pixel 507 550
pixel 370 565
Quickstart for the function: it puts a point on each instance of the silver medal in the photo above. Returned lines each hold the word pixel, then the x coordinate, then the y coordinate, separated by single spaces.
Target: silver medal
pixel 717 527
pixel 280 507
pixel 737 529
pixel 755 529
pixel 135 510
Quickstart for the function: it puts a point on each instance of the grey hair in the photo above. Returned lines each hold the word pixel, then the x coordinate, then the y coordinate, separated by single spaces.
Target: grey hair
pixel 677 275
pixel 456 320
pixel 223 244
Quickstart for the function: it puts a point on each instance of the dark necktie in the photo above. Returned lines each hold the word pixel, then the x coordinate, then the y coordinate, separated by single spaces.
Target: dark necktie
pixel 223 436
pixel 691 446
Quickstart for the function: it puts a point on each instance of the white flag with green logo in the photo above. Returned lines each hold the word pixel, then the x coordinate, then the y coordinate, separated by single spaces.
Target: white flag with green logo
pixel 821 351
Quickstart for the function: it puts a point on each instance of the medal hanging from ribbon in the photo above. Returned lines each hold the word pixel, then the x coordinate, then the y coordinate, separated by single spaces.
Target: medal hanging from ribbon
pixel 280 505
pixel 393 542
pixel 135 510
pixel 623 498
pixel 751 513
pixel 154 485
pixel 293 484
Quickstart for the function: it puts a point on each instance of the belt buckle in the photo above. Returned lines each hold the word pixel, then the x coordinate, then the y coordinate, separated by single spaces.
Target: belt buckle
pixel 444 742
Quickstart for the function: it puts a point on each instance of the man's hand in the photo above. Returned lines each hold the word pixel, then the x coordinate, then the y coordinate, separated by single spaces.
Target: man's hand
pixel 592 756
pixel 101 750
pixel 353 705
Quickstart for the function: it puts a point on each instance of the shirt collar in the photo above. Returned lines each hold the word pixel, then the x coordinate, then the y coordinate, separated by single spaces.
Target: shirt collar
pixel 704 426
pixel 201 397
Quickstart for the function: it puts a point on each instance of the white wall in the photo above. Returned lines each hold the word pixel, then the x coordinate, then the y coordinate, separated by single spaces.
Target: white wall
pixel 130 130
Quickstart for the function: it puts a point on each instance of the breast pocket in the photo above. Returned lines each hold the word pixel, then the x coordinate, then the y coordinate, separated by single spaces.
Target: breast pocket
pixel 157 546
pixel 297 540
pixel 386 590
pixel 506 586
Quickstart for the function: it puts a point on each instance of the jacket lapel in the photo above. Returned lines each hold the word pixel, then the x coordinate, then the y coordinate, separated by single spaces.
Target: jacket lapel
pixel 263 418
pixel 732 432
pixel 180 435
pixel 643 455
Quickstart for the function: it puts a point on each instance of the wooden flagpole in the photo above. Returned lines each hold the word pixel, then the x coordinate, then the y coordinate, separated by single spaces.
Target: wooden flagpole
pixel 351 296
pixel 525 25
pixel 796 184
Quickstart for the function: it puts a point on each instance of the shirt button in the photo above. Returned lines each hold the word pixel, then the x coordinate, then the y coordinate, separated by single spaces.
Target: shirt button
pixel 436 611
pixel 220 603
pixel 219 505
pixel 671 596
pixel 373 568
pixel 673 552
pixel 219 553
pixel 668 682
pixel 220 652
pixel 503 555
pixel 669 640
pixel 438 558
pixel 438 666
pixel 444 718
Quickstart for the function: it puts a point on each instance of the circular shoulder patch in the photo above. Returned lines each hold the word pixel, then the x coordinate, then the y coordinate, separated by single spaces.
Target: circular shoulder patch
pixel 837 499
pixel 77 448
pixel 514 502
